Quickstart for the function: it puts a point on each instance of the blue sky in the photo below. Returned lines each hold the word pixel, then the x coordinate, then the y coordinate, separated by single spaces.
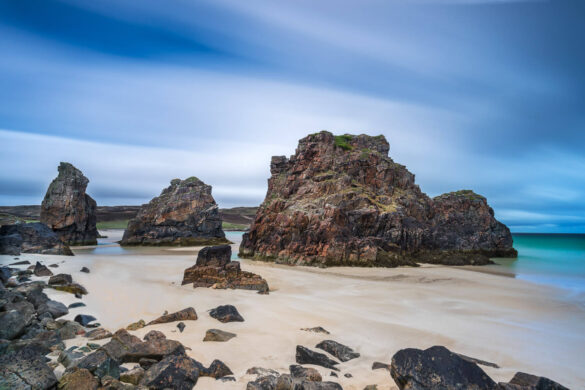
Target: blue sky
pixel 478 94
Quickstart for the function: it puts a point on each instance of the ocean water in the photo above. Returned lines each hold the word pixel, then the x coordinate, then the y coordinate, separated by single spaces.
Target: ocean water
pixel 552 259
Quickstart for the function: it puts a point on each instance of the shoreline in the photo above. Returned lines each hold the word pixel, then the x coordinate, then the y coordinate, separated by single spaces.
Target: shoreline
pixel 516 324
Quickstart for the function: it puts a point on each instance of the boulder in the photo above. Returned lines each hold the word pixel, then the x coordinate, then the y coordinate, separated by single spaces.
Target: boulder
pixel 523 381
pixel 84 270
pixel 98 334
pixel 132 376
pixel 341 201
pixel 338 350
pixel 436 368
pixel 84 319
pixel 56 309
pixel 60 279
pixel 177 372
pixel 5 274
pixel 25 369
pixel 78 379
pixel 226 313
pixel 218 335
pixel 75 305
pixel 214 256
pixel 217 369
pixel 214 269
pixel 31 238
pixel 181 326
pixel 68 210
pixel 14 320
pixel 110 383
pixel 306 356
pixel 301 372
pixel 41 270
pixel 182 315
pixel 72 288
pixel 316 329
pixel 99 363
pixel 185 213
pixel 136 325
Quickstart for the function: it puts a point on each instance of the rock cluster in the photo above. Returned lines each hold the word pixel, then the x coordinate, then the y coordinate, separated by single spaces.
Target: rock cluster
pixel 68 210
pixel 340 200
pixel 185 213
pixel 439 368
pixel 215 269
pixel 31 238
pixel 299 378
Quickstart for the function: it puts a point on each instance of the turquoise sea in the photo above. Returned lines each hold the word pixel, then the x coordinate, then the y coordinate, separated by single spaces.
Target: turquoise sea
pixel 551 259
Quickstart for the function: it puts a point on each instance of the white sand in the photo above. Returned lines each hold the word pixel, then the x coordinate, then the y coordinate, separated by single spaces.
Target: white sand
pixel 518 325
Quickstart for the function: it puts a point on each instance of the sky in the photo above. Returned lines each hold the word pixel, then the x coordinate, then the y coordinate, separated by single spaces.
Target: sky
pixel 487 95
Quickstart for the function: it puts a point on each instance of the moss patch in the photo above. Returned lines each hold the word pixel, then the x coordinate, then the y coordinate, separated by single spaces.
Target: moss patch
pixel 342 141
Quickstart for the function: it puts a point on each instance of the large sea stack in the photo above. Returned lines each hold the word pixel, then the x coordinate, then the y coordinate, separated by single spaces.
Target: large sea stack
pixel 68 210
pixel 185 214
pixel 340 200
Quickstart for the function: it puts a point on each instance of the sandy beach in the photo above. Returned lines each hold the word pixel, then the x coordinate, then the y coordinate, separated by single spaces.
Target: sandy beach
pixel 490 316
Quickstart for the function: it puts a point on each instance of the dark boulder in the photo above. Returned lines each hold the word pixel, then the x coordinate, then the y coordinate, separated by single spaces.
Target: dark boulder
pixel 25 369
pixel 177 372
pixel 215 256
pixel 5 274
pixel 183 315
pixel 56 309
pixel 41 270
pixel 436 368
pixel 84 269
pixel 99 363
pixel 316 329
pixel 181 326
pixel 523 381
pixel 60 279
pixel 306 356
pixel 84 319
pixel 75 305
pixel 14 320
pixel 31 238
pixel 98 334
pixel 68 210
pixel 338 350
pixel 217 369
pixel 226 313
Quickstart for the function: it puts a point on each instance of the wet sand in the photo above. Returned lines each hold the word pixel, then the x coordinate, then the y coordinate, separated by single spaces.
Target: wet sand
pixel 518 325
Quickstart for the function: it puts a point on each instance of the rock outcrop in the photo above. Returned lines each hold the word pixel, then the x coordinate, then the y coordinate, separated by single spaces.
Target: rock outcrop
pixel 340 200
pixel 215 269
pixel 68 210
pixel 185 214
pixel 31 238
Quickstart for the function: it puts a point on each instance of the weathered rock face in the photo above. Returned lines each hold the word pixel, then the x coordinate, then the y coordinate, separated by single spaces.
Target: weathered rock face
pixel 340 200
pixel 68 210
pixel 31 238
pixel 215 269
pixel 185 213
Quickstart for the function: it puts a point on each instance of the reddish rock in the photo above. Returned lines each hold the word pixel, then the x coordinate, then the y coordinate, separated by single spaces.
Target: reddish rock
pixel 68 210
pixel 185 213
pixel 340 200
pixel 215 269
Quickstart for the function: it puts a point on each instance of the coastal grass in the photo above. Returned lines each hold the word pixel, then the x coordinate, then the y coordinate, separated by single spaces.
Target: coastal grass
pixel 119 224
pixel 234 226
pixel 342 141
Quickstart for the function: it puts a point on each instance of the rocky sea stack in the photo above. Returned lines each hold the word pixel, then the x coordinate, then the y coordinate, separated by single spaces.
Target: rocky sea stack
pixel 340 200
pixel 68 210
pixel 185 213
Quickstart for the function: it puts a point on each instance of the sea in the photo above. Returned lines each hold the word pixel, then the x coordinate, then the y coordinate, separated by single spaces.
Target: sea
pixel 556 260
